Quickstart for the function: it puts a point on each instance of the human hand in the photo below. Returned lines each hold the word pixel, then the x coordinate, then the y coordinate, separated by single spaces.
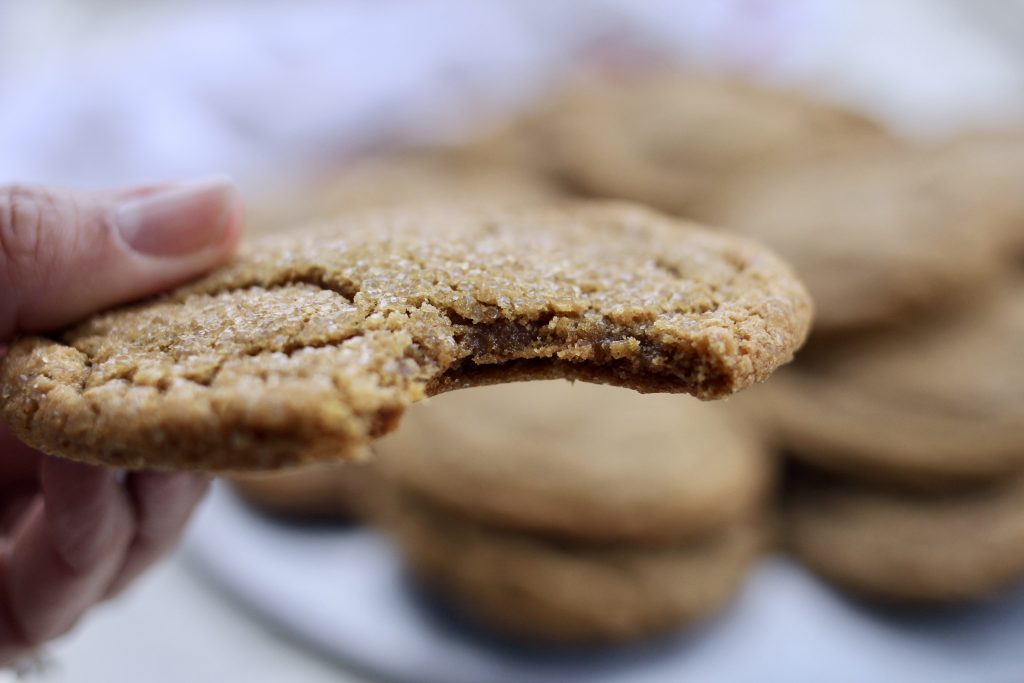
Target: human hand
pixel 72 535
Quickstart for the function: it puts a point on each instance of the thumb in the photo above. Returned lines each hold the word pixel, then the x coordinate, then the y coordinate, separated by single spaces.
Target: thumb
pixel 64 254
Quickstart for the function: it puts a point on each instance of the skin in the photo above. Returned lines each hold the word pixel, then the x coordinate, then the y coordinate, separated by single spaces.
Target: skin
pixel 73 535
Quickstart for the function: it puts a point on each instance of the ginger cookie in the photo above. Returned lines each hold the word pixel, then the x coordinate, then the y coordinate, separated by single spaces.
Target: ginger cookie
pixel 992 165
pixel 311 344
pixel 341 492
pixel 580 461
pixel 876 234
pixel 405 179
pixel 927 403
pixel 671 140
pixel 952 546
pixel 572 593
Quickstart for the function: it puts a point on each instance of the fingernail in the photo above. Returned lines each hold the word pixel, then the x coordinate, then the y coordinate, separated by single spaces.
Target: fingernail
pixel 180 219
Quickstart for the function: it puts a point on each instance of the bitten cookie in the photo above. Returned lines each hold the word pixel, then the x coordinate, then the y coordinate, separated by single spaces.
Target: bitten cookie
pixel 876 234
pixel 672 140
pixel 580 461
pixel 909 547
pixel 926 404
pixel 566 593
pixel 313 343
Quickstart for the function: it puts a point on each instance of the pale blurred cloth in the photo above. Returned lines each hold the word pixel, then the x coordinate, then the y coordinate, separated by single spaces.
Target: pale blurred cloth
pixel 267 91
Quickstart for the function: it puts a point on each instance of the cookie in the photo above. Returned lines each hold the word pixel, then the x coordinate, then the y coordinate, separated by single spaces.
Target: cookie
pixel 671 140
pixel 518 143
pixel 572 593
pixel 336 492
pixel 580 461
pixel 992 164
pixel 946 547
pixel 312 344
pixel 876 235
pixel 406 179
pixel 928 403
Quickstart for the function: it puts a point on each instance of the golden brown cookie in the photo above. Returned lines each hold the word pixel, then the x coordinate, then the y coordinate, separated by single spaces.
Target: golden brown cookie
pixel 517 144
pixel 335 492
pixel 406 179
pixel 876 234
pixel 928 403
pixel 992 165
pixel 312 344
pixel 671 140
pixel 572 593
pixel 944 547
pixel 580 461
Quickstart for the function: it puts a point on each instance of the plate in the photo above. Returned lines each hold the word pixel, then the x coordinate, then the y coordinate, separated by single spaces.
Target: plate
pixel 345 593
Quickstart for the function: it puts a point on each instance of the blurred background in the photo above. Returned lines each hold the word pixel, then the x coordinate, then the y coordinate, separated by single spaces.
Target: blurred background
pixel 107 92
pixel 877 145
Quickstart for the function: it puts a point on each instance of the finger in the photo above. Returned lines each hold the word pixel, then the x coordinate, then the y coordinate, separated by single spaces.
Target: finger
pixel 163 504
pixel 68 549
pixel 19 464
pixel 87 511
pixel 66 254
pixel 13 641
pixel 12 510
pixel 19 479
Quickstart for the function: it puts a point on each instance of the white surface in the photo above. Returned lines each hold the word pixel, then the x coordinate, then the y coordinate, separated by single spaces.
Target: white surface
pixel 344 593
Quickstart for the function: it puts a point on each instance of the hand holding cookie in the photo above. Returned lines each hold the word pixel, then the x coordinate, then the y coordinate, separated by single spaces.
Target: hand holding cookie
pixel 75 534
pixel 311 344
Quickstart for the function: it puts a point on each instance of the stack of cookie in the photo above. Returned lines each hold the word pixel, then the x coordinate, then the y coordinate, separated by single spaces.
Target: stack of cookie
pixel 920 430
pixel 881 234
pixel 687 133
pixel 674 140
pixel 576 513
pixel 905 413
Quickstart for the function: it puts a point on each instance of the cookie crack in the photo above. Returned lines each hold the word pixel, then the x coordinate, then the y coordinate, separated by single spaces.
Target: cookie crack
pixel 674 270
pixel 293 348
pixel 312 276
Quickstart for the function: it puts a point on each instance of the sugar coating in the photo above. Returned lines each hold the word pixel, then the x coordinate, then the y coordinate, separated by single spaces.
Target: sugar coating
pixel 312 343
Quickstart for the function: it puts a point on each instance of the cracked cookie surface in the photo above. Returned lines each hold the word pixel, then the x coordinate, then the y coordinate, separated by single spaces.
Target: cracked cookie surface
pixel 311 344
